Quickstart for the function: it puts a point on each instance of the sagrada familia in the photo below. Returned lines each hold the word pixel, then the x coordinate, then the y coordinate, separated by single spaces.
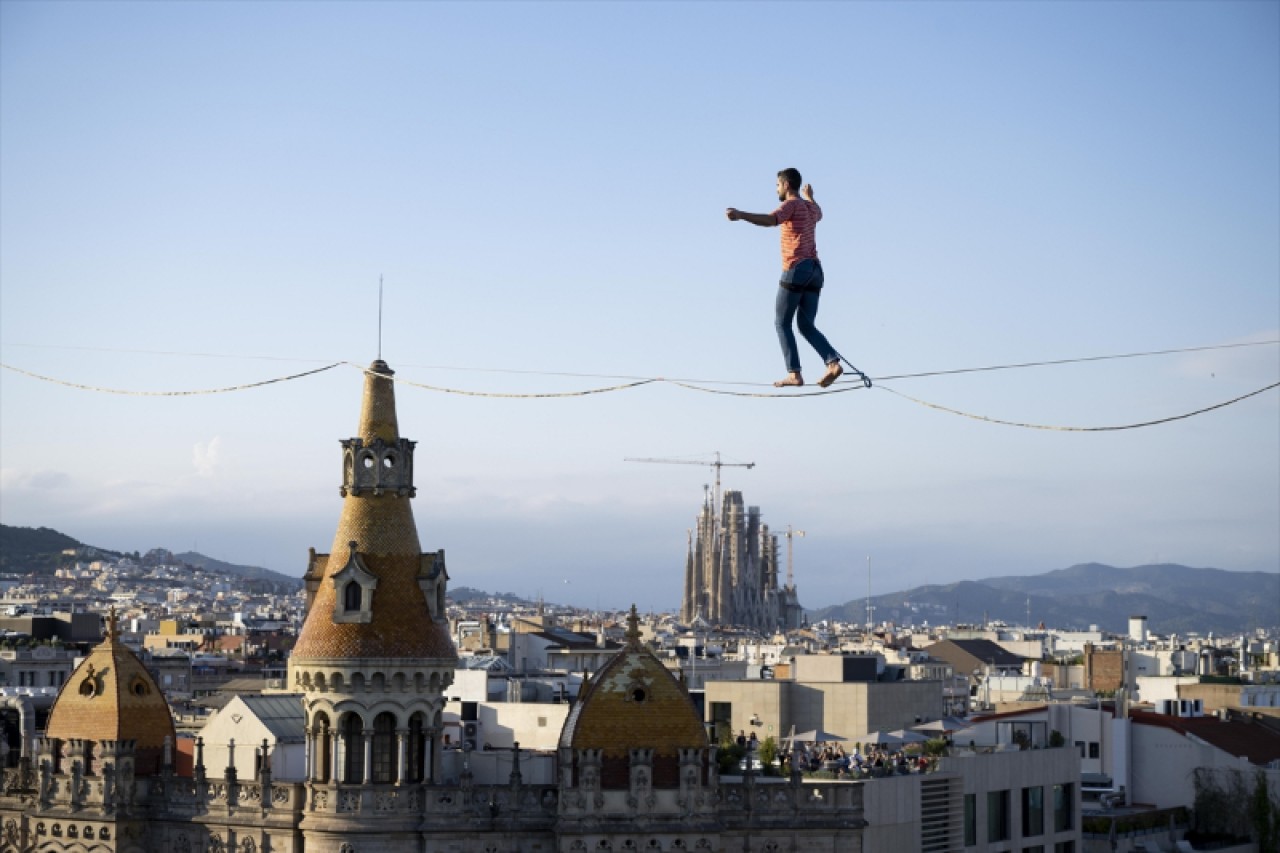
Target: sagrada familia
pixel 731 572
pixel 635 770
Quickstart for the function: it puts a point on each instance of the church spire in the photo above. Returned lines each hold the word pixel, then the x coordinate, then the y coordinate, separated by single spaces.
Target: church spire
pixel 378 461
pixel 378 411
pixel 376 594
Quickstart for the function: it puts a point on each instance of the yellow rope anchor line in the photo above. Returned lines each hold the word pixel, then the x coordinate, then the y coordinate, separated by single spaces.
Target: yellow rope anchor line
pixel 857 386
pixel 700 386
pixel 131 393
pixel 502 395
pixel 1079 428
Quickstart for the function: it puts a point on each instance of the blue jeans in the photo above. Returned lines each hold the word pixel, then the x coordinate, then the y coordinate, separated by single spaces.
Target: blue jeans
pixel 798 293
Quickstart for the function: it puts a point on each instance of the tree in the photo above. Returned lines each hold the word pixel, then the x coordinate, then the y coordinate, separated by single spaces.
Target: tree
pixel 768 752
pixel 1264 815
pixel 729 755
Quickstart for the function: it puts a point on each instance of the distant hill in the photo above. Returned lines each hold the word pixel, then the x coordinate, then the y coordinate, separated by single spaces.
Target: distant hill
pixel 1175 599
pixel 40 550
pixel 470 595
pixel 209 564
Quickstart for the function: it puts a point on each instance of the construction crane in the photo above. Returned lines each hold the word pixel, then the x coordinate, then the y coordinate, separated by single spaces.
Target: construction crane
pixel 791 534
pixel 715 499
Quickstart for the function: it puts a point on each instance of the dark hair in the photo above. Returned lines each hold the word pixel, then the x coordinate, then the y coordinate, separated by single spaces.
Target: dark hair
pixel 792 177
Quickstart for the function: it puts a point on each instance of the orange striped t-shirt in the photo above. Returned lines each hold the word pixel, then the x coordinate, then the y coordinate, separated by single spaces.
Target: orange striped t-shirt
pixel 798 219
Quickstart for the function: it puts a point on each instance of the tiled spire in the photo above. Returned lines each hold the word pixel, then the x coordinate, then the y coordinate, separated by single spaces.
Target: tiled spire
pixel 376 547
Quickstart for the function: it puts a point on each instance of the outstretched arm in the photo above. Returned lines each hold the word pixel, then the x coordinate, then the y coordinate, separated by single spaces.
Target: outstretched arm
pixel 765 220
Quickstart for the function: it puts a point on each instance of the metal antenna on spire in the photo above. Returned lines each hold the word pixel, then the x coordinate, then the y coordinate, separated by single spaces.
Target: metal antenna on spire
pixel 379 316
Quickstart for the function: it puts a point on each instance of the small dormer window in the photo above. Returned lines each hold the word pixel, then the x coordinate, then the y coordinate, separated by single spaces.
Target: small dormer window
pixel 89 685
pixel 353 587
pixel 351 597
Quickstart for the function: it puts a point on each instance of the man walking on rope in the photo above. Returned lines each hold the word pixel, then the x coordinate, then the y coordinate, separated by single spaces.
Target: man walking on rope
pixel 802 279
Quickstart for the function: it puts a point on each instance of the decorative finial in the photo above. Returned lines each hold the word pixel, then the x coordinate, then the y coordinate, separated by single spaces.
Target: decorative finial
pixel 633 627
pixel 113 628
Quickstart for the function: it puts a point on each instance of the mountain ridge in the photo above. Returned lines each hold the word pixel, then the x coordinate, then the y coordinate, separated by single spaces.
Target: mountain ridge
pixel 43 550
pixel 1176 599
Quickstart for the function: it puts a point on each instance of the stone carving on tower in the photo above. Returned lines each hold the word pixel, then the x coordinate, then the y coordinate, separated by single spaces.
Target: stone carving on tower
pixel 731 571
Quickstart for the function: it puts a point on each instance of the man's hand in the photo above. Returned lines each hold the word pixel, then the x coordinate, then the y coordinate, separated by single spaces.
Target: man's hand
pixel 807 192
pixel 764 220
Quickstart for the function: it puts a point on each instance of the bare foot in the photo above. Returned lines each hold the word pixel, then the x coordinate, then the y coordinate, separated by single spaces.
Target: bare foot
pixel 833 373
pixel 793 380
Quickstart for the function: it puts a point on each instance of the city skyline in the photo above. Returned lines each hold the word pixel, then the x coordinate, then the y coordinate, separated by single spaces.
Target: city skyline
pixel 208 196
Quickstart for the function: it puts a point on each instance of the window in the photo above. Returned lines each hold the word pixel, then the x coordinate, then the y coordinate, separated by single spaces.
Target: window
pixel 353 744
pixel 384 748
pixel 1039 848
pixel 997 816
pixel 351 595
pixel 970 820
pixel 1064 797
pixel 1080 747
pixel 1093 749
pixel 1033 811
pixel 416 749
pixel 323 758
pixel 1064 847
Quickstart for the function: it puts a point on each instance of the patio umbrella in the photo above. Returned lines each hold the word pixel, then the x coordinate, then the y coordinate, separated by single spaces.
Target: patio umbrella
pixel 816 736
pixel 879 737
pixel 946 725
pixel 906 736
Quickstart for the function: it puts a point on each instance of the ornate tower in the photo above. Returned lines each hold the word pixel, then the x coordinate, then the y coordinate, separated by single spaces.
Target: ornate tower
pixel 111 699
pixel 374 656
pixel 634 754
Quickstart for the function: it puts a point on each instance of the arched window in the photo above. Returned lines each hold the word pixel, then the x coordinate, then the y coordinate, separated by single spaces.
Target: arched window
pixel 416 749
pixel 384 748
pixel 323 744
pixel 351 595
pixel 353 743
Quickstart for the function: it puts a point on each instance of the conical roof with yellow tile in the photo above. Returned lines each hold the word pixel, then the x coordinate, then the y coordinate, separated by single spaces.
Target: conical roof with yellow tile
pixel 634 701
pixel 381 526
pixel 111 696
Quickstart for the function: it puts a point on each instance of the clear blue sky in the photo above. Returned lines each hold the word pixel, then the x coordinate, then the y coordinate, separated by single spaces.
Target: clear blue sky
pixel 542 187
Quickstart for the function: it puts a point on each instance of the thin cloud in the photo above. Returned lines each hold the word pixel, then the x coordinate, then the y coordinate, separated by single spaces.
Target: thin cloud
pixel 19 479
pixel 206 456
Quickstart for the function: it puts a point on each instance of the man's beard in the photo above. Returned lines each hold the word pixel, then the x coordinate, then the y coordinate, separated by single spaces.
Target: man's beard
pixel 782 196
